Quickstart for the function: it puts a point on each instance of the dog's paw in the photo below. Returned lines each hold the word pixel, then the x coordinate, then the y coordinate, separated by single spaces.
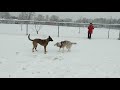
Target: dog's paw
pixel 69 51
pixel 45 52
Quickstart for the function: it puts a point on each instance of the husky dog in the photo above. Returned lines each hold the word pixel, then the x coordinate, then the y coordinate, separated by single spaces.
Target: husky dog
pixel 64 44
pixel 42 42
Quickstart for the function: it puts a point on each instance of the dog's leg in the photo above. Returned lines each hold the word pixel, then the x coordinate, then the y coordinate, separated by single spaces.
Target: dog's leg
pixel 45 50
pixel 63 50
pixel 69 50
pixel 36 47
pixel 33 49
pixel 59 49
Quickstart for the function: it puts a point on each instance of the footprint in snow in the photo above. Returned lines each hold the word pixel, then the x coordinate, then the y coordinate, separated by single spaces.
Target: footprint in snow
pixel 17 53
pixel 58 58
pixel 55 58
pixel 23 68
pixel 48 57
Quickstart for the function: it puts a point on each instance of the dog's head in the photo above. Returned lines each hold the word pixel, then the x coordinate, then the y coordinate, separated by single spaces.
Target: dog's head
pixel 50 39
pixel 58 44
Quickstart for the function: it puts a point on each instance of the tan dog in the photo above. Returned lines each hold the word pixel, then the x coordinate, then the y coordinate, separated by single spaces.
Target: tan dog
pixel 42 42
pixel 64 44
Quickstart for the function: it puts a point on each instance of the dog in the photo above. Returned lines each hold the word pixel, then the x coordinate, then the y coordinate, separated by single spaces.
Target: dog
pixel 42 42
pixel 64 44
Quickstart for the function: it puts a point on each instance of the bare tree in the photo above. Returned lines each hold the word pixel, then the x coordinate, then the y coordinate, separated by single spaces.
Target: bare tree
pixel 37 28
pixel 21 17
pixel 47 17
pixel 40 18
pixel 67 20
pixel 119 35
pixel 26 16
pixel 79 30
pixel 109 28
pixel 54 18
pixel 5 15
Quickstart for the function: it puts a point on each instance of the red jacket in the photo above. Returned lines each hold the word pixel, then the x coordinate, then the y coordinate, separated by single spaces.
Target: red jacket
pixel 90 29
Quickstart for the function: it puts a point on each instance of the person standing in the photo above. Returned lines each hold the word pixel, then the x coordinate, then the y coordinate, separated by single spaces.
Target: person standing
pixel 90 30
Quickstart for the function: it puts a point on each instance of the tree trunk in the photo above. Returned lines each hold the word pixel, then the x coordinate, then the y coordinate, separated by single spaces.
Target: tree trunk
pixel 21 27
pixel 108 33
pixel 79 29
pixel 37 32
pixel 119 35
pixel 58 30
pixel 26 29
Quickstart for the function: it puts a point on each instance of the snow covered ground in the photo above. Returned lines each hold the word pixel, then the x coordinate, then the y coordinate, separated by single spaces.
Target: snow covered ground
pixel 95 58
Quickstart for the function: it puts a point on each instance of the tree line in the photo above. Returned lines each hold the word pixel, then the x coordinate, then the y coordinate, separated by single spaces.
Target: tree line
pixel 40 17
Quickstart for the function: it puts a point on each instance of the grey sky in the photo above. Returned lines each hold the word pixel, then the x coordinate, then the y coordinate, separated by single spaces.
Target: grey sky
pixel 77 15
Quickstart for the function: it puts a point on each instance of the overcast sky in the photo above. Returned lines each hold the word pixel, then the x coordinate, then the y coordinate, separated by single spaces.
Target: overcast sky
pixel 77 15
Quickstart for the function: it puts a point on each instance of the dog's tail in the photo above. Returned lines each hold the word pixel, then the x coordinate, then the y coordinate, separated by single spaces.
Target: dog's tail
pixel 74 43
pixel 29 38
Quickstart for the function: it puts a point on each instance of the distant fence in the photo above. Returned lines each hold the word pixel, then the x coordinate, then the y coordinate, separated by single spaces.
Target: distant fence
pixel 71 24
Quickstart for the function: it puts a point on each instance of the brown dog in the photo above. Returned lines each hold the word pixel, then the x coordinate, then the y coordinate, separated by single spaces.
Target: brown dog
pixel 43 42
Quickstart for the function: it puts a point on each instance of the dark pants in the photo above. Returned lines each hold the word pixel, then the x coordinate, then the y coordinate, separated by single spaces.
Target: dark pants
pixel 89 35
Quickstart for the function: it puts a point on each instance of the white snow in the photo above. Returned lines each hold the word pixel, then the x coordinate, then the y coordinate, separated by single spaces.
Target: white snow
pixel 95 58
